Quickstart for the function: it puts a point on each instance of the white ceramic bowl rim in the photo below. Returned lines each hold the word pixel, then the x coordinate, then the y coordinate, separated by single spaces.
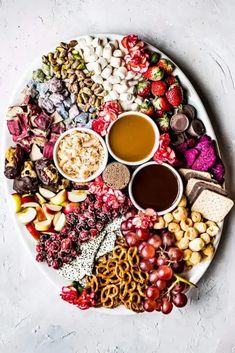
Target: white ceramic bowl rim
pixel 99 170
pixel 180 183
pixel 155 146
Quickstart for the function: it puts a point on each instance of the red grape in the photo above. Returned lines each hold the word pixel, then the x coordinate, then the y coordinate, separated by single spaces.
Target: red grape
pixel 130 214
pixel 167 306
pixel 155 241
pixel 148 251
pixel 142 234
pixel 175 254
pixel 131 239
pixel 164 272
pixel 180 300
pixel 161 260
pixel 179 288
pixel 150 305
pixel 145 265
pixel 153 276
pixel 178 267
pixel 160 284
pixel 153 292
pixel 140 247
pixel 168 238
pixel 159 305
pixel 153 260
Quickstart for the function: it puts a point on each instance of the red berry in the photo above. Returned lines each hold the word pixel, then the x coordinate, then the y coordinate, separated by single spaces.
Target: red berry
pixel 145 266
pixel 165 273
pixel 144 88
pixel 156 241
pixel 153 292
pixel 158 88
pixel 161 284
pixel 166 65
pixel 174 95
pixel 161 103
pixel 148 251
pixel 167 306
pixel 179 300
pixel 132 239
pixel 150 305
pixel 142 234
pixel 154 73
pixel 170 80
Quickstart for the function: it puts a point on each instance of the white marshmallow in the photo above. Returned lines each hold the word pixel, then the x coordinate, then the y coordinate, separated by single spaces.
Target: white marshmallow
pixel 132 83
pixel 103 62
pixel 114 95
pixel 107 52
pixel 125 105
pixel 115 62
pixel 114 79
pixel 92 58
pixel 134 106
pixel 120 88
pixel 88 39
pixel 130 75
pixel 114 44
pixel 96 42
pixel 99 50
pixel 121 72
pixel 82 43
pixel 131 90
pixel 117 53
pixel 94 66
pixel 107 98
pixel 107 85
pixel 106 72
pixel 139 100
pixel 126 97
pixel 97 79
pixel 104 41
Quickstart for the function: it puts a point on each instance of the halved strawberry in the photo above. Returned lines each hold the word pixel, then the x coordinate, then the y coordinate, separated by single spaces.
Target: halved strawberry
pixel 166 65
pixel 144 88
pixel 158 88
pixel 174 95
pixel 146 107
pixel 154 73
pixel 161 103
pixel 163 123
pixel 32 230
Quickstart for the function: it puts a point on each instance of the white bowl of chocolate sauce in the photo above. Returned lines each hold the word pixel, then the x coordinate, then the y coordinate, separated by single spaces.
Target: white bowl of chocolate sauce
pixel 156 186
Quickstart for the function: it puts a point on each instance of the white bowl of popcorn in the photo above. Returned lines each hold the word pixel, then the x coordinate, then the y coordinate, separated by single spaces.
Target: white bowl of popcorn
pixel 80 154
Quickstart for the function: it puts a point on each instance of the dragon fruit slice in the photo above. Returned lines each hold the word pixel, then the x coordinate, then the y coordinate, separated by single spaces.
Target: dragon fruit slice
pixel 14 126
pixel 218 171
pixel 206 159
pixel 190 156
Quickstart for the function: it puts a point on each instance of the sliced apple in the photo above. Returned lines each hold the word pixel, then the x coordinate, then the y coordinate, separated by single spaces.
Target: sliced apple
pixel 30 204
pixel 41 215
pixel 48 215
pixel 60 222
pixel 40 199
pixel 59 198
pixel 71 207
pixel 48 194
pixel 27 215
pixel 56 218
pixel 43 225
pixel 52 209
pixel 77 195
pixel 16 201
pixel 32 230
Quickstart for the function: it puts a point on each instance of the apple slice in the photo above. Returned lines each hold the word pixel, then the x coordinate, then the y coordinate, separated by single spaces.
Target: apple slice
pixel 33 231
pixel 48 194
pixel 48 215
pixel 41 215
pixel 56 218
pixel 59 198
pixel 71 207
pixel 16 201
pixel 27 215
pixel 77 195
pixel 40 199
pixel 30 204
pixel 52 209
pixel 43 225
pixel 60 222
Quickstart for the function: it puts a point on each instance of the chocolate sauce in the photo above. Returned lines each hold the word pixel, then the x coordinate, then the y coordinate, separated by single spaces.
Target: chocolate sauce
pixel 155 186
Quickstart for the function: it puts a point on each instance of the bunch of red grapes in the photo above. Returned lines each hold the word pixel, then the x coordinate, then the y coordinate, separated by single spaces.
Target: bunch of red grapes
pixel 162 260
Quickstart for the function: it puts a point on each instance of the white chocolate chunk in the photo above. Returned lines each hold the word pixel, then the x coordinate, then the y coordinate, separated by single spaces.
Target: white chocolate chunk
pixel 82 43
pixel 134 106
pixel 131 90
pixel 130 75
pixel 121 72
pixel 125 105
pixel 126 97
pixel 104 41
pixel 115 62
pixel 106 72
pixel 138 100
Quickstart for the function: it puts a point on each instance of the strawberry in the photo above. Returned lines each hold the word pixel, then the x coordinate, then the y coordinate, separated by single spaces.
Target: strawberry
pixel 163 123
pixel 170 80
pixel 146 107
pixel 154 73
pixel 144 88
pixel 158 88
pixel 161 103
pixel 166 66
pixel 174 95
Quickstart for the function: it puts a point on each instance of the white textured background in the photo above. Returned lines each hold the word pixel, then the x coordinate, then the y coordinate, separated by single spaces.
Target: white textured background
pixel 200 37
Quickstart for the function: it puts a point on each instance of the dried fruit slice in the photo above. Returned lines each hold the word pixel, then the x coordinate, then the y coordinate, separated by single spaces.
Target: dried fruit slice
pixel 27 215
